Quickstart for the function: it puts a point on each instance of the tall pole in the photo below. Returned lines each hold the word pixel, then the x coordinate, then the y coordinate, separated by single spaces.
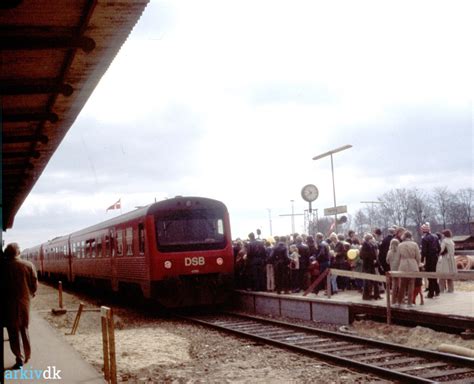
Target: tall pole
pixel 334 194
pixel 330 153
pixel 292 214
pixel 292 217
pixel 270 220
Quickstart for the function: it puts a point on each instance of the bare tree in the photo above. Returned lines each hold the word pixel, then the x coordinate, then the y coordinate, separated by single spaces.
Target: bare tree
pixel 325 225
pixel 361 221
pixel 395 205
pixel 465 198
pixel 420 207
pixel 442 200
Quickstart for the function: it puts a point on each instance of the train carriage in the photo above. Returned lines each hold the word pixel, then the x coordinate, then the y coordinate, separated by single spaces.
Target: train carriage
pixel 56 258
pixel 177 251
pixel 35 256
pixel 191 250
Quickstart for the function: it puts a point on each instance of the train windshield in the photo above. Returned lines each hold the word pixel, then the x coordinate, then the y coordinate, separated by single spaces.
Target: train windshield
pixel 190 230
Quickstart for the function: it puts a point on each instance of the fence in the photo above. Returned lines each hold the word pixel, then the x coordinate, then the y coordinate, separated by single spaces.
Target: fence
pixel 387 279
pixel 108 344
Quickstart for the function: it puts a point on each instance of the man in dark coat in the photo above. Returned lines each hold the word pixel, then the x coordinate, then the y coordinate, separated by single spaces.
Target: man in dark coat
pixel 303 251
pixel 256 257
pixel 281 262
pixel 323 257
pixel 383 250
pixel 430 249
pixel 20 283
pixel 368 254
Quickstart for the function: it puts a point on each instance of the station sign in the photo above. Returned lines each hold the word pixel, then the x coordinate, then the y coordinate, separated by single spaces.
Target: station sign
pixel 335 210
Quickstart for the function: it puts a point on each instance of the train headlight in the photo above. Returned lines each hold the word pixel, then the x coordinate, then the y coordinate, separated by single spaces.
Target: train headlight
pixel 168 264
pixel 220 261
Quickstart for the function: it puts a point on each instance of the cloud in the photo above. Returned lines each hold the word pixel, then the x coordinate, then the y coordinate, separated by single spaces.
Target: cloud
pixel 232 101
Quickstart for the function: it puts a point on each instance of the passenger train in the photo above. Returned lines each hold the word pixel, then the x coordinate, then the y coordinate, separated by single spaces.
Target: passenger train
pixel 177 251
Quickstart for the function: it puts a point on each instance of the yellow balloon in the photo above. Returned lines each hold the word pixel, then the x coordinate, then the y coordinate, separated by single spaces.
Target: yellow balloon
pixel 352 254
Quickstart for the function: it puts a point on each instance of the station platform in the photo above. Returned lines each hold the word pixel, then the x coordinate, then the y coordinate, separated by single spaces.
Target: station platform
pixel 51 357
pixel 449 310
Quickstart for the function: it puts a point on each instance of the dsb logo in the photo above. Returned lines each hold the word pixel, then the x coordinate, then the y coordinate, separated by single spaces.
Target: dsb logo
pixel 194 261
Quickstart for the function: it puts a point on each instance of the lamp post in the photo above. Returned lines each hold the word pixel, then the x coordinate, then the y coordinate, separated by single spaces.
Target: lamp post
pixel 270 220
pixel 330 153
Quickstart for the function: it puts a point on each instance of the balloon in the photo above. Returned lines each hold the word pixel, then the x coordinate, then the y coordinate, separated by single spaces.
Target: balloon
pixel 352 254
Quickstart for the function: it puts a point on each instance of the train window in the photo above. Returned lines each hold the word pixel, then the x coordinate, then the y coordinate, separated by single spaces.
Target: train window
pixel 119 243
pixel 129 241
pixel 107 246
pixel 93 248
pixel 83 248
pixel 220 227
pixel 198 229
pixel 141 238
pixel 99 247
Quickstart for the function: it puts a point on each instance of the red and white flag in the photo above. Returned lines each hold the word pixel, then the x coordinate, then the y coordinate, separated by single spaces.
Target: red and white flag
pixel 333 225
pixel 116 205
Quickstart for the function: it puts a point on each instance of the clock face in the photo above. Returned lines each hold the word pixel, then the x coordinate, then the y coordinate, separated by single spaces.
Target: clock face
pixel 309 192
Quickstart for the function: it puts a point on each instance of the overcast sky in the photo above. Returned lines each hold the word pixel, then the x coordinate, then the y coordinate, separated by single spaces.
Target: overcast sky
pixel 232 100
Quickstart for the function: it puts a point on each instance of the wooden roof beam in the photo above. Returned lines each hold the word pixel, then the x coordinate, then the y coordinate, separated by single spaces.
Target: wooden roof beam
pixel 10 117
pixel 26 165
pixel 17 43
pixel 11 139
pixel 32 87
pixel 21 154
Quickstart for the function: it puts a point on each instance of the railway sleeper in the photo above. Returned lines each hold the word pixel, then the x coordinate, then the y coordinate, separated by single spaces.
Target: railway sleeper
pixel 341 348
pixel 274 334
pixel 440 374
pixel 404 360
pixel 353 354
pixel 379 356
pixel 421 367
pixel 310 341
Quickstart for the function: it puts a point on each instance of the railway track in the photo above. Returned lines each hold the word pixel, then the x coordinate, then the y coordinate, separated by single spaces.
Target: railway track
pixel 387 360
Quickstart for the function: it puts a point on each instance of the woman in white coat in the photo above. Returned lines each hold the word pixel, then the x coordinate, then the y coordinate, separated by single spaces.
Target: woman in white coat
pixel 393 259
pixel 446 261
pixel 410 259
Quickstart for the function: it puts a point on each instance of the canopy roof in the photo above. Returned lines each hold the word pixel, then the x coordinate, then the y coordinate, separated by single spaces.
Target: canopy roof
pixel 54 52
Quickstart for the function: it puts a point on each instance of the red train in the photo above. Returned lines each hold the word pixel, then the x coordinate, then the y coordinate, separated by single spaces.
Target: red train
pixel 177 251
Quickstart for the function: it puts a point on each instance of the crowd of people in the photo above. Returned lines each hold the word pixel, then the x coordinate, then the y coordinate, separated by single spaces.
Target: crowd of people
pixel 290 264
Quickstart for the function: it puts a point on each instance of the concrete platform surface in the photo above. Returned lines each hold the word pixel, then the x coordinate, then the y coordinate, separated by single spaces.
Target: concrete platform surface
pixel 459 303
pixel 52 358
pixel 451 310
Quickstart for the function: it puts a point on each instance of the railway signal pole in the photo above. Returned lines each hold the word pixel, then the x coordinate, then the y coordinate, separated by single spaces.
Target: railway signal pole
pixel 292 214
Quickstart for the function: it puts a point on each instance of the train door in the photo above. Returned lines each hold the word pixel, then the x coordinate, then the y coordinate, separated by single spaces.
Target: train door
pixel 70 255
pixel 113 260
pixel 41 259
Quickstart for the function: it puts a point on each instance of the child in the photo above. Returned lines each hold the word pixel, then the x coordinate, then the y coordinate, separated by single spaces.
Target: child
pixel 294 268
pixel 314 271
pixel 418 291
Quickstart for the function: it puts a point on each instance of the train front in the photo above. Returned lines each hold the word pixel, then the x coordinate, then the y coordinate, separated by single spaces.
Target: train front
pixel 191 258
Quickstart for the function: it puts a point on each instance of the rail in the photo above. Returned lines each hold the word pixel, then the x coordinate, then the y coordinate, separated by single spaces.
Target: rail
pixel 381 358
